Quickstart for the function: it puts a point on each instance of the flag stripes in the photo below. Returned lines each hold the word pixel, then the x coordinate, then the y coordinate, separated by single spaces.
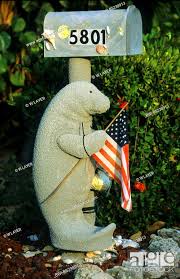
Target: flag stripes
pixel 114 158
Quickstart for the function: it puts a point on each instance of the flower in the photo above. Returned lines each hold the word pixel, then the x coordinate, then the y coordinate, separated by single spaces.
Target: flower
pixel 140 186
pixel 122 103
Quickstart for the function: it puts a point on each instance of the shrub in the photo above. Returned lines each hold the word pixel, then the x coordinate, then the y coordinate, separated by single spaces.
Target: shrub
pixel 147 82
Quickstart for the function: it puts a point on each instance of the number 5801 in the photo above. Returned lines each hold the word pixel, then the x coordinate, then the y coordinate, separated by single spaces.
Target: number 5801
pixel 87 37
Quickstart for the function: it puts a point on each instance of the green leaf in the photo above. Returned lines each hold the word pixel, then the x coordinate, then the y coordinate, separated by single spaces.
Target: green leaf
pixel 29 6
pixel 3 64
pixel 10 57
pixel 13 98
pixel 18 24
pixel 2 85
pixel 5 41
pixel 65 4
pixel 17 78
pixel 168 24
pixel 45 8
pixel 27 37
pixel 178 167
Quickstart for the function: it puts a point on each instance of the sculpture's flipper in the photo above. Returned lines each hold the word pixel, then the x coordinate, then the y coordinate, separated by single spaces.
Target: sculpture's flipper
pixel 73 144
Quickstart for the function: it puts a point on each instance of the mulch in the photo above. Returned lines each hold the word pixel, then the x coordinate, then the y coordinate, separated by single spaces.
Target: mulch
pixel 14 265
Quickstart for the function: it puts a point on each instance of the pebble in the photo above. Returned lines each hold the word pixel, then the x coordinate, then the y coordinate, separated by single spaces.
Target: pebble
pixel 33 237
pixel 26 248
pixel 90 254
pixel 57 258
pixel 48 265
pixel 30 254
pixel 87 260
pixel 118 240
pixel 108 256
pixel 68 261
pixel 97 252
pixel 156 226
pixel 130 243
pixel 135 236
pixel 7 255
pixel 48 248
pixel 152 236
pixel 111 249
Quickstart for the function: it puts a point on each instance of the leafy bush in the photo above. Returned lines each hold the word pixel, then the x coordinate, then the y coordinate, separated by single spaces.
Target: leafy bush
pixel 147 82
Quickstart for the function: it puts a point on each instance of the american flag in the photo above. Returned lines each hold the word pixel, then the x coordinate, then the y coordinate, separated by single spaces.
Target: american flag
pixel 114 157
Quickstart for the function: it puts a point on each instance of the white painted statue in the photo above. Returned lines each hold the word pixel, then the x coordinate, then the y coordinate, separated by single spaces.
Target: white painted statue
pixel 63 169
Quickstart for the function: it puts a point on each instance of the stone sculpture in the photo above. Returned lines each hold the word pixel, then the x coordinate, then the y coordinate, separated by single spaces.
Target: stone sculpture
pixel 63 169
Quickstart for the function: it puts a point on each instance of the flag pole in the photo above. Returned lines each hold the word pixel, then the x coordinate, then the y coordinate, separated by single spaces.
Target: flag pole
pixel 116 116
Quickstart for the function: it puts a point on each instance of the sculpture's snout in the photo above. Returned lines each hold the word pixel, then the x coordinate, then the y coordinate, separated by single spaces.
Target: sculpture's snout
pixel 106 104
pixel 103 105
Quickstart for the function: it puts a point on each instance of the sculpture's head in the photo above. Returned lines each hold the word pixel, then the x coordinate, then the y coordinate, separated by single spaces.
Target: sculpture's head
pixel 85 99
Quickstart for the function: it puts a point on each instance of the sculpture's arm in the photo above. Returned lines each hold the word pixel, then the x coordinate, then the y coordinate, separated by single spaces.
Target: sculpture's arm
pixel 73 144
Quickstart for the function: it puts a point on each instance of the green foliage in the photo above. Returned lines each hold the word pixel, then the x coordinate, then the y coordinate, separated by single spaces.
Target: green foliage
pixel 18 24
pixel 3 64
pixel 17 78
pixel 5 41
pixel 147 82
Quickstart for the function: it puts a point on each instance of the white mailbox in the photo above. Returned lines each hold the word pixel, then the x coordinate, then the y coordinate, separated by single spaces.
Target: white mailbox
pixel 93 33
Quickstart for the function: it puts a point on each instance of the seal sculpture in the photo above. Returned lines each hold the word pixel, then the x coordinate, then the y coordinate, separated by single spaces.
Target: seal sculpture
pixel 63 169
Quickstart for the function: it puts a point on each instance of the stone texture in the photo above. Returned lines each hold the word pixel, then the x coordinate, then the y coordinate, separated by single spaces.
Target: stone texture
pixel 153 273
pixel 170 233
pixel 165 244
pixel 158 244
pixel 88 271
pixel 77 258
pixel 121 272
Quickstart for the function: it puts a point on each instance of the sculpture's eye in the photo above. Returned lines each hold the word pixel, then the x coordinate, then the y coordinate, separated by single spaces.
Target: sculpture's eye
pixel 90 91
